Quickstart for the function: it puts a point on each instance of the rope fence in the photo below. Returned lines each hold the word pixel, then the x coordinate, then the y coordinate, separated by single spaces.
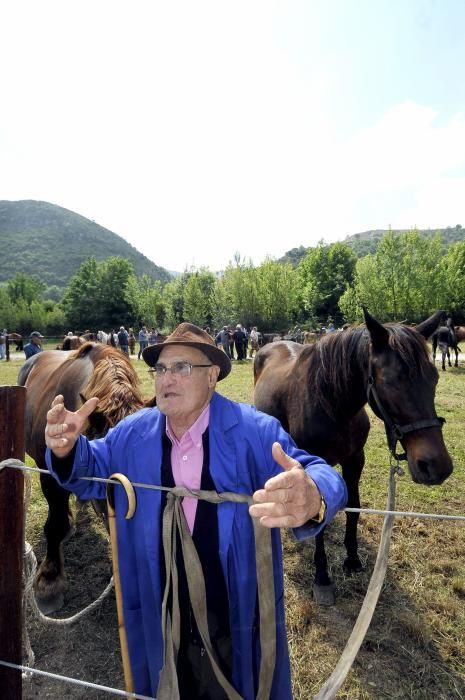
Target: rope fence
pixel 339 674
pixel 13 464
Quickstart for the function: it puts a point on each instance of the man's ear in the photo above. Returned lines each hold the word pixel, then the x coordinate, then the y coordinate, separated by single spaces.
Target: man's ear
pixel 213 376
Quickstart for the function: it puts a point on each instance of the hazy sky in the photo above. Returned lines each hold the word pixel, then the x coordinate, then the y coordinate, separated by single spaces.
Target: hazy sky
pixel 196 129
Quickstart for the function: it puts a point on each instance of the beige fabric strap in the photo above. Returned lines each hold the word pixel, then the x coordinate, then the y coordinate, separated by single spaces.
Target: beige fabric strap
pixel 174 521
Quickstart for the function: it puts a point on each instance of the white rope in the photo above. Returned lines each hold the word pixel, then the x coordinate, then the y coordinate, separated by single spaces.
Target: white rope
pixel 30 562
pixel 76 681
pixel 404 513
pixel 154 487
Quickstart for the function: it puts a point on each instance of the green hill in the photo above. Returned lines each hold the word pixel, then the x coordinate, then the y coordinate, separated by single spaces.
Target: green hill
pixel 367 242
pixel 45 240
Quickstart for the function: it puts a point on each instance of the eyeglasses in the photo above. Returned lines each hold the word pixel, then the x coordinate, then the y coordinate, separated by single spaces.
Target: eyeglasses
pixel 183 369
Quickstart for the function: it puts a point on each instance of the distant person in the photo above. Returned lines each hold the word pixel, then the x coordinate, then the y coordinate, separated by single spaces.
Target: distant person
pixel 123 340
pixel 153 337
pixel 132 342
pixel 253 341
pixel 3 335
pixel 246 341
pixel 34 346
pixel 239 337
pixel 143 340
pixel 223 339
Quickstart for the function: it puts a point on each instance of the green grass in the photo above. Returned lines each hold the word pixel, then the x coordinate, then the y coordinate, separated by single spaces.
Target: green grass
pixel 415 647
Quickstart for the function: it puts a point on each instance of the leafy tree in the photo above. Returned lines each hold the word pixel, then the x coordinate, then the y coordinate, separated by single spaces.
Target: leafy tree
pixel 453 281
pixel 145 296
pixel 97 295
pixel 195 302
pixel 114 278
pixel 199 293
pixel 277 288
pixel 403 280
pixel 173 300
pixel 82 297
pixel 324 274
pixel 22 286
pixel 241 287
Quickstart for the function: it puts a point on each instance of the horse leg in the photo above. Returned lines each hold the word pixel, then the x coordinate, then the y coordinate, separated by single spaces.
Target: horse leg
pixel 51 583
pixel 323 587
pixel 456 357
pixel 444 361
pixel 352 471
pixel 448 357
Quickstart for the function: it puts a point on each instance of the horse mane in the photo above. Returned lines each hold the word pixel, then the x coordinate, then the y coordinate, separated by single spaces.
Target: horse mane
pixel 114 381
pixel 340 361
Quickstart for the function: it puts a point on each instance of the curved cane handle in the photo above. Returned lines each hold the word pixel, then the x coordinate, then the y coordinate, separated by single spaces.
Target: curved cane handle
pixel 129 491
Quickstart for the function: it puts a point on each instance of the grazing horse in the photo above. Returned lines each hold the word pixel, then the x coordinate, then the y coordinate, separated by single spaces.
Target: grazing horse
pixel 444 338
pixel 319 391
pixel 92 370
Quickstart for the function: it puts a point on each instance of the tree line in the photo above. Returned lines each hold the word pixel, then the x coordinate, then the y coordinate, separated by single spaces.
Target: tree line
pixel 407 278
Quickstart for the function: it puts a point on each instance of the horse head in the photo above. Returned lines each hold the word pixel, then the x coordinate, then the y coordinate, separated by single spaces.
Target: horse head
pixel 401 390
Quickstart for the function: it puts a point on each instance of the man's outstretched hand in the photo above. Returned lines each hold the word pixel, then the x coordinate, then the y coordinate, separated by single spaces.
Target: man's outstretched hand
pixel 64 427
pixel 288 499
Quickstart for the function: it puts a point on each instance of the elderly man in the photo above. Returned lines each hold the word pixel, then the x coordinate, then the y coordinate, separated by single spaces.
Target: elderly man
pixel 198 439
pixel 34 346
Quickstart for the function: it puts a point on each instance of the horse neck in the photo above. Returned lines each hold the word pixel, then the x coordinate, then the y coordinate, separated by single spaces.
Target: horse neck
pixel 344 362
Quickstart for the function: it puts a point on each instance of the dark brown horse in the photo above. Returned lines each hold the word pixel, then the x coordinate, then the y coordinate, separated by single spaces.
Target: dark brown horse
pixel 18 339
pixel 319 391
pixel 92 370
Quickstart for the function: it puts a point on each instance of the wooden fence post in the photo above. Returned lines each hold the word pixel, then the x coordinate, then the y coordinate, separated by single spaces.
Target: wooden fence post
pixel 12 410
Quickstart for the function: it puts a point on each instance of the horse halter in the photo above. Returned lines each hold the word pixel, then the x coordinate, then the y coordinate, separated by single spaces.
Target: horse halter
pixel 394 431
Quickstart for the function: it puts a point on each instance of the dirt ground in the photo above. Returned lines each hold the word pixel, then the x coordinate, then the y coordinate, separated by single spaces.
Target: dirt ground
pixel 405 656
pixel 89 649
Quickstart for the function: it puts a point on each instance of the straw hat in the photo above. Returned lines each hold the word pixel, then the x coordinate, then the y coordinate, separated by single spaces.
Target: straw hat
pixel 194 337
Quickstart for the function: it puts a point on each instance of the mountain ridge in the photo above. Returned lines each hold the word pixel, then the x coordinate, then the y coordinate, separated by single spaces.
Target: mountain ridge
pixel 51 242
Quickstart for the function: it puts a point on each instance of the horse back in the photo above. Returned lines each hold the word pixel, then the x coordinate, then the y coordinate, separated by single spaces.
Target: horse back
pixel 45 375
pixel 273 368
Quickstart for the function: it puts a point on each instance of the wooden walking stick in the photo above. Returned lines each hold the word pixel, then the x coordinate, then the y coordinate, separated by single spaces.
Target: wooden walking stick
pixel 131 496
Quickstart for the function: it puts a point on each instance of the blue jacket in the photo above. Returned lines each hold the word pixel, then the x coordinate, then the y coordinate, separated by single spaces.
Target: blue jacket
pixel 240 460
pixel 31 349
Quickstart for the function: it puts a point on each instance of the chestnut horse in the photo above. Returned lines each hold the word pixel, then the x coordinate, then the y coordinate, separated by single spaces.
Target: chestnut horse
pixel 91 370
pixel 319 391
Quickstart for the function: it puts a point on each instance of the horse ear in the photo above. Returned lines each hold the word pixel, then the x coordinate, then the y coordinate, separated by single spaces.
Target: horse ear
pixel 378 333
pixel 426 328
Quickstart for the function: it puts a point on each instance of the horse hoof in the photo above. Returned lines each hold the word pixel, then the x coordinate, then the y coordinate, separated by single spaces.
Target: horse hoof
pixel 51 604
pixel 350 568
pixel 324 595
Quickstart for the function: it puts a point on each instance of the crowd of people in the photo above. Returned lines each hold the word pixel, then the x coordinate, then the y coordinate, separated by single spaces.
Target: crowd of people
pixel 237 342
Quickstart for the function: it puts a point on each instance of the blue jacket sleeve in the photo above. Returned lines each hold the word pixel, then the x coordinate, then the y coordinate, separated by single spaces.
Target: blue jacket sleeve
pixel 91 459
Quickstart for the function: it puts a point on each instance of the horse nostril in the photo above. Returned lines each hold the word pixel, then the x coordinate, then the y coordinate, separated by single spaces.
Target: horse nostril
pixel 422 465
pixel 430 472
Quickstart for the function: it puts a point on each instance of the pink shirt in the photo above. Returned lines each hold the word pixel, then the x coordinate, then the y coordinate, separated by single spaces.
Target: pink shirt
pixel 187 461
